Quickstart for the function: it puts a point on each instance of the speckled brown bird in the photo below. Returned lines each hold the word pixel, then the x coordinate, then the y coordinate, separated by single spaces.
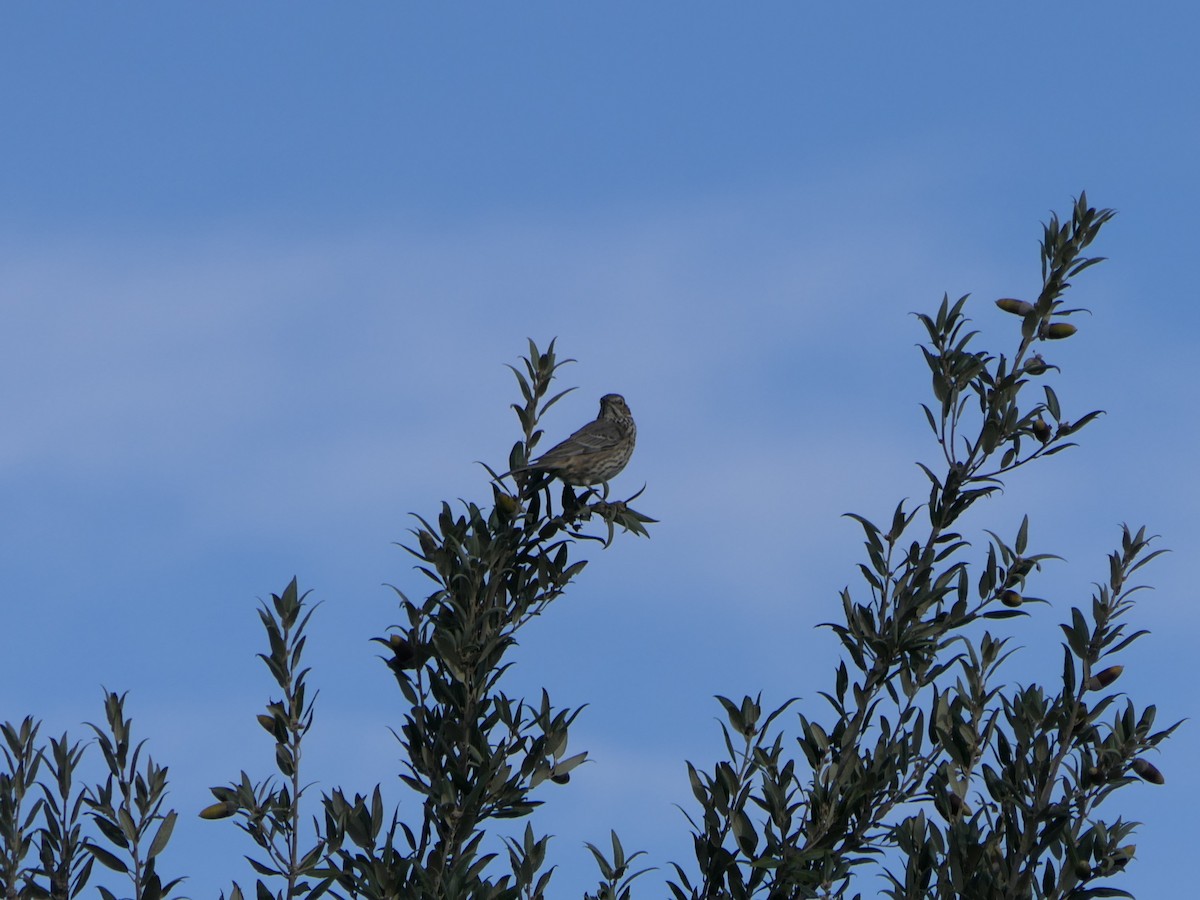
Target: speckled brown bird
pixel 595 453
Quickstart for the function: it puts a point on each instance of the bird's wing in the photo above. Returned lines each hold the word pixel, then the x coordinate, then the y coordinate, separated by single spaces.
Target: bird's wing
pixel 591 438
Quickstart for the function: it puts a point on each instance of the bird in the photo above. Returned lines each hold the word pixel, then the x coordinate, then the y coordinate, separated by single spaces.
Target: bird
pixel 595 453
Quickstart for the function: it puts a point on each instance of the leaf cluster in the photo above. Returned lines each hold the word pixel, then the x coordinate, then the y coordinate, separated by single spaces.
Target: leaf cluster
pixel 269 811
pixel 927 767
pixel 121 822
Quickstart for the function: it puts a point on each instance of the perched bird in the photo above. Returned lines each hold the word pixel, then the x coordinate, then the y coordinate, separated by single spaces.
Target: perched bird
pixel 595 453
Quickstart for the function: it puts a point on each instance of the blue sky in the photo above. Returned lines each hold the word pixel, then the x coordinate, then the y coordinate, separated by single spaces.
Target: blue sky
pixel 261 267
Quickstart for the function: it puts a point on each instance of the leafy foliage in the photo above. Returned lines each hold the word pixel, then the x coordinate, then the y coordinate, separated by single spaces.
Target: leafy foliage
pixel 130 826
pixel 474 753
pixel 127 808
pixel 269 811
pixel 922 765
pixel 963 786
